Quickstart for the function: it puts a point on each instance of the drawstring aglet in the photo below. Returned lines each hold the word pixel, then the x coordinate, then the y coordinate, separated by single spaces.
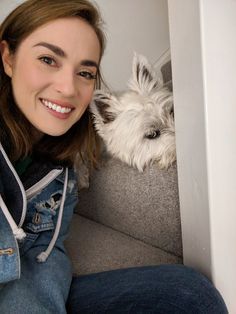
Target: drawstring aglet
pixel 19 234
pixel 42 257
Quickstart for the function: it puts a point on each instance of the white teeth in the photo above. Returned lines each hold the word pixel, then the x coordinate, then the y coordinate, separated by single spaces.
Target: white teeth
pixel 55 107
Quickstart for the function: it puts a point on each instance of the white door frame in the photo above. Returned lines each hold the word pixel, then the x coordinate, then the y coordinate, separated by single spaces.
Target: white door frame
pixel 203 53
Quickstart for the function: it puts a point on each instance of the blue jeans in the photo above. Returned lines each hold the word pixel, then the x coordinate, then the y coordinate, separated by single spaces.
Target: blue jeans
pixel 165 289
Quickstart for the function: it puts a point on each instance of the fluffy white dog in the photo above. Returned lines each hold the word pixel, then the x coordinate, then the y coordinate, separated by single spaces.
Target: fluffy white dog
pixel 137 126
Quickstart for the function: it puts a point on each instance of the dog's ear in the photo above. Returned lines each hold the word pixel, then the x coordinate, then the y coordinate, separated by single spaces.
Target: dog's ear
pixel 144 79
pixel 104 107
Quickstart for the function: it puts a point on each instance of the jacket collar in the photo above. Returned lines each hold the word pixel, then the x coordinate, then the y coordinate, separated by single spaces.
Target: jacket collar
pixel 12 188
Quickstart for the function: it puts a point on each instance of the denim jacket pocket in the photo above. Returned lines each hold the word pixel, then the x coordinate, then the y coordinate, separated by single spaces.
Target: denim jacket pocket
pixel 41 212
pixel 29 240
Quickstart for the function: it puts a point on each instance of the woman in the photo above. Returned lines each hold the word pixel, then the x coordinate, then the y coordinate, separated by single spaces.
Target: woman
pixel 50 61
pixel 51 53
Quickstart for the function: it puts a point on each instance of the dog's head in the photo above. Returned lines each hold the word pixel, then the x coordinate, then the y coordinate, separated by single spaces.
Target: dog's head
pixel 138 125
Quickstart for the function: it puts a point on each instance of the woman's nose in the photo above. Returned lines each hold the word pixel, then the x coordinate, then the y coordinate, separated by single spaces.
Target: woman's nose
pixel 65 83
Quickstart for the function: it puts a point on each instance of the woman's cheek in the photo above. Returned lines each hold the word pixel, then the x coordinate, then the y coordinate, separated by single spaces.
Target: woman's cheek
pixel 86 95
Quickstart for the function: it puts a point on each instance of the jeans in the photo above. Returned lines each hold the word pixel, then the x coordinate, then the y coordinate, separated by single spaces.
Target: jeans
pixel 165 289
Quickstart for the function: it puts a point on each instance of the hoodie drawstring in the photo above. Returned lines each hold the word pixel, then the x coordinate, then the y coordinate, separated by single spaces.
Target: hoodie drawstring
pixel 18 232
pixel 42 257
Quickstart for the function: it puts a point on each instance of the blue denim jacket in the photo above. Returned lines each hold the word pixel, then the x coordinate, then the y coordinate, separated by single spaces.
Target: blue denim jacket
pixel 34 204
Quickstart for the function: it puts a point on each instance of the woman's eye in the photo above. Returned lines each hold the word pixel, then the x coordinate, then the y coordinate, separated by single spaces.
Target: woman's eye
pixel 87 75
pixel 48 60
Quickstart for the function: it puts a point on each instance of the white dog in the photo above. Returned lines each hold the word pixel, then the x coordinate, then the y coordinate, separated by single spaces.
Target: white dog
pixel 137 126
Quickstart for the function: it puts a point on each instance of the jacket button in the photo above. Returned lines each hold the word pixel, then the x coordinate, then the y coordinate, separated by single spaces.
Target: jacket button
pixel 36 218
pixel 8 251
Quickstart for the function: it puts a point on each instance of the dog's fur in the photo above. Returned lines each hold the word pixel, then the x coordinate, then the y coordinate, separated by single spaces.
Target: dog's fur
pixel 137 126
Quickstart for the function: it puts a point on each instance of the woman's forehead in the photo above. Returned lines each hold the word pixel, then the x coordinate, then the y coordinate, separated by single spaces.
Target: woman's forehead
pixel 70 35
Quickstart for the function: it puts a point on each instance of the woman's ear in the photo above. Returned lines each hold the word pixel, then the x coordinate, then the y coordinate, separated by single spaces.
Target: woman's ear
pixel 7 58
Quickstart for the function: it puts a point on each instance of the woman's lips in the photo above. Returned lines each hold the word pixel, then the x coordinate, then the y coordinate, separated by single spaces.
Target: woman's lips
pixel 57 108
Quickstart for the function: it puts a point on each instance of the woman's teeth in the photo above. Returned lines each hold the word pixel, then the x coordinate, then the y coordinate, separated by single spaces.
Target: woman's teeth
pixel 55 107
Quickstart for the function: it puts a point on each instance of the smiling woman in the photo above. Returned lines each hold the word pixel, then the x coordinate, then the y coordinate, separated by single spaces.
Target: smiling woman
pixel 50 66
pixel 53 74
pixel 63 43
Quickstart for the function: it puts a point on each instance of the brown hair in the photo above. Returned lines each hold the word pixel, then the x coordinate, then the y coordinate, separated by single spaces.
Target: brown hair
pixel 14 127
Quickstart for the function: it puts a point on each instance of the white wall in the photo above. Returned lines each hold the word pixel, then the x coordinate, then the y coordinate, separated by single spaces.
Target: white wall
pixel 203 50
pixel 132 25
pixel 7 6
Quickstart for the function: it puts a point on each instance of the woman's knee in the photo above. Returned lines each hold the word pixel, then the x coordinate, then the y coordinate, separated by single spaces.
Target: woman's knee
pixel 159 289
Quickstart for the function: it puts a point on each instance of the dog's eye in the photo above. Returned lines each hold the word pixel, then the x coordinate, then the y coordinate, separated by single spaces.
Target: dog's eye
pixel 172 111
pixel 153 134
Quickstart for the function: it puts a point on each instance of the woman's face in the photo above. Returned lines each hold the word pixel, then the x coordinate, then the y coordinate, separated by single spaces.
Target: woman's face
pixel 53 73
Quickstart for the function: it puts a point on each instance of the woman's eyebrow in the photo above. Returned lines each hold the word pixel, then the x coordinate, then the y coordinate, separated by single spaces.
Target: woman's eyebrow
pixel 57 50
pixel 61 53
pixel 89 63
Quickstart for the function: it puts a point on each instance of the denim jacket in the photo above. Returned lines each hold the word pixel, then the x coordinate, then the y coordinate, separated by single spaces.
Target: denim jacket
pixel 37 207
